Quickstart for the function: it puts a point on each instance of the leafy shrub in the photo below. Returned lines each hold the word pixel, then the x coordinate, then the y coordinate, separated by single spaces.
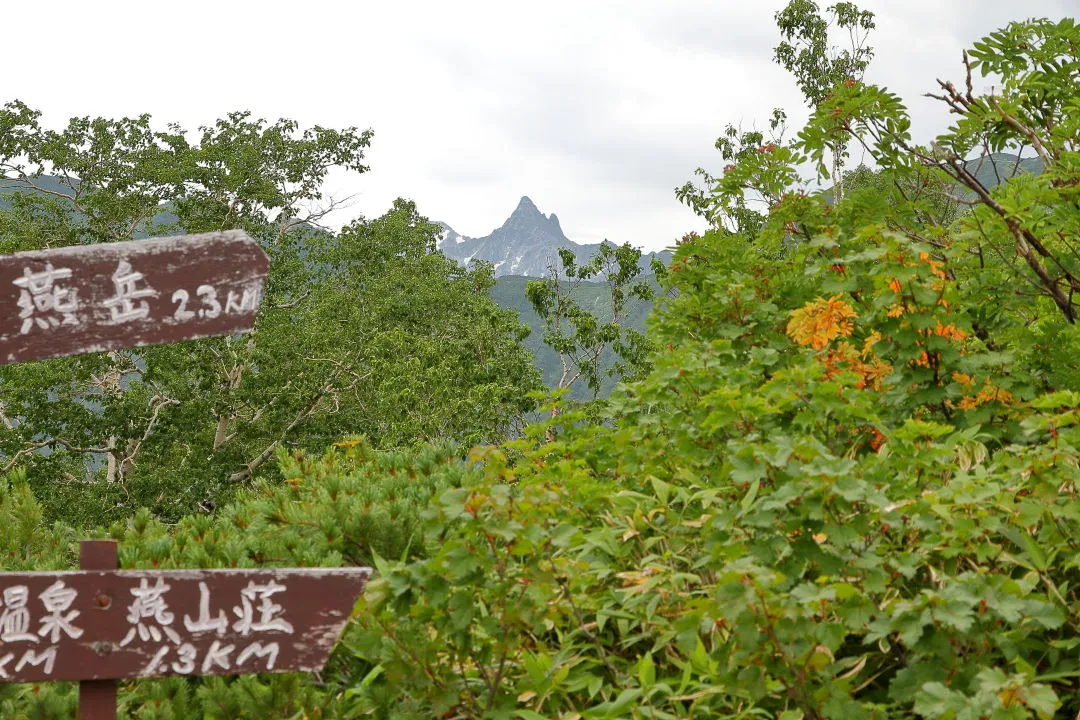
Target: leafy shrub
pixel 762 533
pixel 848 489
pixel 338 509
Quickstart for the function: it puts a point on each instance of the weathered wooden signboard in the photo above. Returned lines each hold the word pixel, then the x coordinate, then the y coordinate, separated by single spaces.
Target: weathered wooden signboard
pixel 98 625
pixel 90 298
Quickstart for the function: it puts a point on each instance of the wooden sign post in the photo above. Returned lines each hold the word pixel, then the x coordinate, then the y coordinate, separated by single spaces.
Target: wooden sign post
pixel 97 698
pixel 99 624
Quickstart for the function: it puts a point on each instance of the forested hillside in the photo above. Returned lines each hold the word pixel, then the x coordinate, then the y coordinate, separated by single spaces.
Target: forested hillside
pixel 839 479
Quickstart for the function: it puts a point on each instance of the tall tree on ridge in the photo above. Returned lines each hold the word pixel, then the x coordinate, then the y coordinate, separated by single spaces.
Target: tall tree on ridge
pixel 819 67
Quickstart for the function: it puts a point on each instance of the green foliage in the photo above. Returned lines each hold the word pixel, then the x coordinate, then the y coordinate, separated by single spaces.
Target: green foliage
pixel 27 542
pixel 756 164
pixel 844 486
pixel 581 336
pixel 1020 231
pixel 735 543
pixel 347 507
pixel 807 53
pixel 510 292
pixel 818 67
pixel 364 331
pixel 847 489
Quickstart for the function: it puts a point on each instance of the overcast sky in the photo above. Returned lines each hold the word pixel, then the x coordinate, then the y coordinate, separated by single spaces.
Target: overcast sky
pixel 595 109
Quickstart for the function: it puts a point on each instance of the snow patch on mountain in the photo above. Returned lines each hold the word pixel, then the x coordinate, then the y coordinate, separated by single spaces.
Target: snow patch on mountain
pixel 527 243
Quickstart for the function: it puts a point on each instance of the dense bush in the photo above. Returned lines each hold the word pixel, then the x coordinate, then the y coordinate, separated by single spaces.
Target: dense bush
pixel 848 488
pixel 338 509
pixel 767 530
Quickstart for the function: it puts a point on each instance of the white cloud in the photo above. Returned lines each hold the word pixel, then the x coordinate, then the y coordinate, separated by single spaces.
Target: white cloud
pixel 595 109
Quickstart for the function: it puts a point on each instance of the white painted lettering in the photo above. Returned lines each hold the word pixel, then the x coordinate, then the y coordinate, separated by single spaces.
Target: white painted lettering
pixel 257 649
pixel 149 604
pixel 209 298
pixel 31 657
pixel 186 666
pixel 15 620
pixel 182 313
pixel 155 661
pixel 3 665
pixel 232 303
pixel 57 599
pixel 205 623
pixel 218 654
pixel 268 610
pixel 122 306
pixel 41 299
pixel 250 300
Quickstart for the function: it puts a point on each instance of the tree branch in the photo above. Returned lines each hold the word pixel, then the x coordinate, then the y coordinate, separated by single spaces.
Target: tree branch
pixel 308 411
pixel 129 460
pixel 29 449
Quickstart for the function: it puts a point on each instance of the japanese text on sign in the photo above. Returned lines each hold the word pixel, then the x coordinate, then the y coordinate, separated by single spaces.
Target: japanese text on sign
pixel 90 298
pixel 46 304
pixel 54 626
pixel 151 622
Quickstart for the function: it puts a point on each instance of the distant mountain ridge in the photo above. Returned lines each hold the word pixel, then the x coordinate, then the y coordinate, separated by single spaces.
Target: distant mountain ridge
pixel 993 169
pixel 526 244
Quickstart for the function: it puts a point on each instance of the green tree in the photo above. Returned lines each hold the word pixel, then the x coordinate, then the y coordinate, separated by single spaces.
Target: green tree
pixel 748 155
pixel 580 335
pixel 818 66
pixel 364 331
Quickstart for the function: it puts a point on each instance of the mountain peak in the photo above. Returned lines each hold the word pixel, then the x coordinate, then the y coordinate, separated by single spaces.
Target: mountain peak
pixel 527 206
pixel 528 243
pixel 527 212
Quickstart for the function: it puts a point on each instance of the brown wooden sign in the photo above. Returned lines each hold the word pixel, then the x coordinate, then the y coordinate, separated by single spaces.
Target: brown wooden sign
pixel 90 298
pixel 99 625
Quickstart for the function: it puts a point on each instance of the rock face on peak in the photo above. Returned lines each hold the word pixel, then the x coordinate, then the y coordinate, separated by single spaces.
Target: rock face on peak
pixel 526 244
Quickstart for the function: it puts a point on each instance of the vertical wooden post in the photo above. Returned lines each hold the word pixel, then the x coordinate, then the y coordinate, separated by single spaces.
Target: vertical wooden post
pixel 97 698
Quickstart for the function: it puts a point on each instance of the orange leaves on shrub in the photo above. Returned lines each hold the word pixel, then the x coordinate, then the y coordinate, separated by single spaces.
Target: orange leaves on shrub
pixel 935 266
pixel 873 374
pixel 949 332
pixel 877 439
pixel 873 370
pixel 935 269
pixel 820 322
pixel 989 393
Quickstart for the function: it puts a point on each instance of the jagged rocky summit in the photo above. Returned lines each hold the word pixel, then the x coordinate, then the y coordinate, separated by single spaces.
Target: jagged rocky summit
pixel 526 244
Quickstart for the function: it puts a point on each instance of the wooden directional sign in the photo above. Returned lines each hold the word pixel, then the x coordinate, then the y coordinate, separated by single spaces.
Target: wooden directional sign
pixel 90 298
pixel 95 625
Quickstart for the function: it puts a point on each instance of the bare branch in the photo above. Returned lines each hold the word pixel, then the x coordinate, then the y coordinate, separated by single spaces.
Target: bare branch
pixel 308 411
pixel 1029 133
pixel 28 450
pixel 288 305
pixel 129 460
pixel 4 418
